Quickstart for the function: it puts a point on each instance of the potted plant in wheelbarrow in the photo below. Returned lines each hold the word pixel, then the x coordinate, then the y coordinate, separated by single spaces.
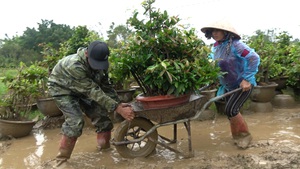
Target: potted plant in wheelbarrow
pixel 167 60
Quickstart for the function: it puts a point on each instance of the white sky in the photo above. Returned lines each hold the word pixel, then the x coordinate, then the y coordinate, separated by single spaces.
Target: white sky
pixel 247 16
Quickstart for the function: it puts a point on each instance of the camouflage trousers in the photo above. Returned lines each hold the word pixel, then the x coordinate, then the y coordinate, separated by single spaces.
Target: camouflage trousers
pixel 73 109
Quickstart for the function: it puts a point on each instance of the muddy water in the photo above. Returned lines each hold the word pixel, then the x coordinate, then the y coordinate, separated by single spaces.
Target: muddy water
pixel 211 143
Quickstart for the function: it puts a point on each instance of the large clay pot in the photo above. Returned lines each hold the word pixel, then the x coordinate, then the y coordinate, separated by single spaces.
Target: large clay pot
pixel 126 95
pixel 162 101
pixel 283 101
pixel 220 106
pixel 261 107
pixel 15 129
pixel 48 107
pixel 209 94
pixel 281 81
pixel 263 93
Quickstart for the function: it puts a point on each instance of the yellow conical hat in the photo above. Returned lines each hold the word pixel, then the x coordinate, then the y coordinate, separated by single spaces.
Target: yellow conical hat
pixel 223 25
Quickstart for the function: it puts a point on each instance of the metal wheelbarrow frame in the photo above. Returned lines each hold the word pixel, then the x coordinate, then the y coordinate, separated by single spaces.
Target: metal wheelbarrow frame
pixel 139 137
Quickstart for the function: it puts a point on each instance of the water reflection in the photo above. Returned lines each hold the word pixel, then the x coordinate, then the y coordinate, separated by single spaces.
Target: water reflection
pixel 34 159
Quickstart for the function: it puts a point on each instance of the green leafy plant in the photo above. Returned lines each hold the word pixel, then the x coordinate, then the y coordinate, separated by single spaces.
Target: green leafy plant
pixel 119 72
pixel 163 56
pixel 273 50
pixel 23 90
pixel 294 68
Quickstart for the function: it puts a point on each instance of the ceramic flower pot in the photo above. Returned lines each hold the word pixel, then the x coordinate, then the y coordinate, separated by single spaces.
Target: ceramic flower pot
pixel 126 95
pixel 283 101
pixel 48 107
pixel 209 94
pixel 263 93
pixel 220 106
pixel 15 129
pixel 162 101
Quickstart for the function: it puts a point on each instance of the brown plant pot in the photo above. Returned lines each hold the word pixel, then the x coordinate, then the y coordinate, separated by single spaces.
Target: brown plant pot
pixel 283 101
pixel 281 82
pixel 16 129
pixel 209 94
pixel 126 95
pixel 263 93
pixel 220 106
pixel 296 91
pixel 261 106
pixel 162 101
pixel 48 107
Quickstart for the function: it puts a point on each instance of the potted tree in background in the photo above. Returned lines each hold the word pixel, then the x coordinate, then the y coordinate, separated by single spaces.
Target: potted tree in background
pixel 278 67
pixel 294 69
pixel 264 92
pixel 16 119
pixel 120 76
pixel 165 58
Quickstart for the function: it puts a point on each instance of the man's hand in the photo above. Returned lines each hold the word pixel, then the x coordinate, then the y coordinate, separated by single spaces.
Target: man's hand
pixel 126 111
pixel 245 85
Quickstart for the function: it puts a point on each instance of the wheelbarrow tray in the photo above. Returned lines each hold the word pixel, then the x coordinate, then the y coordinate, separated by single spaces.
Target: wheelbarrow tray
pixel 174 113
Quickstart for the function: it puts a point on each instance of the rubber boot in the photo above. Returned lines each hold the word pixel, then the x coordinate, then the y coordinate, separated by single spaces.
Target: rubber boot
pixel 240 132
pixel 66 147
pixel 103 140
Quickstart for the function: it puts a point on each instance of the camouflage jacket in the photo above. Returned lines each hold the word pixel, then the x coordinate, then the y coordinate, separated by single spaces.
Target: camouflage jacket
pixel 72 75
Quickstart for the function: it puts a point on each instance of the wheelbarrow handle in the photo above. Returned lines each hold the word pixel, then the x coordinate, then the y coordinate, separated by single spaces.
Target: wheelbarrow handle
pixel 213 100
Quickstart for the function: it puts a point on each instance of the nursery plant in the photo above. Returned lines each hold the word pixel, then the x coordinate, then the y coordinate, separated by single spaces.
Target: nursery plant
pixel 294 69
pixel 23 89
pixel 163 56
pixel 273 50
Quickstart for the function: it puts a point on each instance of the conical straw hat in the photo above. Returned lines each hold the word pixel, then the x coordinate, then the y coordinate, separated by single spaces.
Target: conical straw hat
pixel 223 25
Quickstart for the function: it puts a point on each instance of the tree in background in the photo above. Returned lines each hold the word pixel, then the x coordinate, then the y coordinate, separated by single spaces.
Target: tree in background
pixel 117 34
pixel 28 47
pixel 47 33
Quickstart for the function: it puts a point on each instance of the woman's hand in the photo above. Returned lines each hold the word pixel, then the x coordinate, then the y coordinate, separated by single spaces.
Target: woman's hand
pixel 245 85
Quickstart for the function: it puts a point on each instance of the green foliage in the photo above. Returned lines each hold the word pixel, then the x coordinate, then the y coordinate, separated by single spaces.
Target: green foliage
pixel 119 72
pixel 4 72
pixel 28 47
pixel 163 56
pixel 294 68
pixel 273 50
pixel 117 34
pixel 12 52
pixel 47 32
pixel 28 84
pixel 81 37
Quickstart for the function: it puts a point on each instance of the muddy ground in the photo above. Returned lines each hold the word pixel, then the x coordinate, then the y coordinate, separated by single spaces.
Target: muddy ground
pixel 276 144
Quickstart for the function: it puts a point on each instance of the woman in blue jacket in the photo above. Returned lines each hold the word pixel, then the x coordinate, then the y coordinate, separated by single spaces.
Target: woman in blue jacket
pixel 240 64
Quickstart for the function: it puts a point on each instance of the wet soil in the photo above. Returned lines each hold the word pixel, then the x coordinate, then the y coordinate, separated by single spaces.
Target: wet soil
pixel 276 144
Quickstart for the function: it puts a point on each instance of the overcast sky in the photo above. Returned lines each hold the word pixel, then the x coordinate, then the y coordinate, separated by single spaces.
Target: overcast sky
pixel 246 15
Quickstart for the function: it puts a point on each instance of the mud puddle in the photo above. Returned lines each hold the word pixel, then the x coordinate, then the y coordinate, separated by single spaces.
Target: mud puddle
pixel 276 144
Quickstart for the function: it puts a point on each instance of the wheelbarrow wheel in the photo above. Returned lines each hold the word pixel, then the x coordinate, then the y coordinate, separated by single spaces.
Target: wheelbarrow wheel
pixel 135 129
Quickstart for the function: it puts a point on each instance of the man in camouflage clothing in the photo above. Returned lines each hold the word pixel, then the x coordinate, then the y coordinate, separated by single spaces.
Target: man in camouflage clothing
pixel 79 84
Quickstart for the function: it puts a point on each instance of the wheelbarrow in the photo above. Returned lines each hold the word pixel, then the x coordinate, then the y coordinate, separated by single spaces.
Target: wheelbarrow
pixel 139 137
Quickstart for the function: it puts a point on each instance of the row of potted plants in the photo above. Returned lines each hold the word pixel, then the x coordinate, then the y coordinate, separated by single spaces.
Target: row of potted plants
pixel 280 58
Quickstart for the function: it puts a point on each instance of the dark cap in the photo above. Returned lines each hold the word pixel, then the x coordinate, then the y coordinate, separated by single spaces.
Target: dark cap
pixel 98 53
